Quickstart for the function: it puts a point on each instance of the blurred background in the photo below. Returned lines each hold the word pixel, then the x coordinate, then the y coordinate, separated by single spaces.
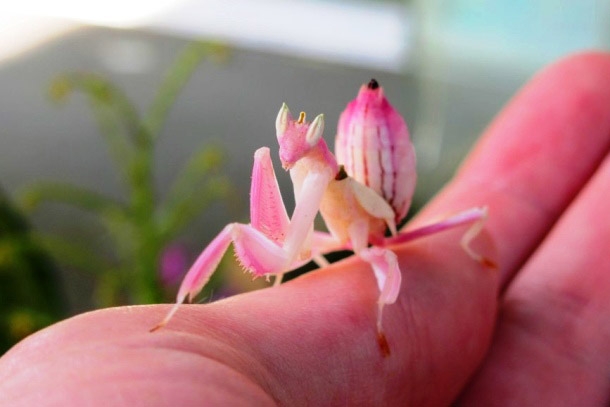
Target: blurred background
pixel 128 127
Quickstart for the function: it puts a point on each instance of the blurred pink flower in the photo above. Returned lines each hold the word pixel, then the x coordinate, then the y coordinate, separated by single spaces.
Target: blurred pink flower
pixel 173 264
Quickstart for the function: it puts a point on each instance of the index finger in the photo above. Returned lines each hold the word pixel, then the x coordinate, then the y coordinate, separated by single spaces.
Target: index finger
pixel 536 156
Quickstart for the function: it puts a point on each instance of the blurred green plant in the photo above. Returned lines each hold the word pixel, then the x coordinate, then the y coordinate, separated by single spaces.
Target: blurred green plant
pixel 140 227
pixel 30 297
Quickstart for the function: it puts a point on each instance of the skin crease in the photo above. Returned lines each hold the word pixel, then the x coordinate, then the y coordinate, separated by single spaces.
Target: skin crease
pixel 534 332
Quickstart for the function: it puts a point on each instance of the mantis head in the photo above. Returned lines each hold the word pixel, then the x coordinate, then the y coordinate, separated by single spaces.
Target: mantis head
pixel 296 137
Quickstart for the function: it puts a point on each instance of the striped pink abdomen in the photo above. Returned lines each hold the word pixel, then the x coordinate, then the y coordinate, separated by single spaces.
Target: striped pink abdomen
pixel 373 144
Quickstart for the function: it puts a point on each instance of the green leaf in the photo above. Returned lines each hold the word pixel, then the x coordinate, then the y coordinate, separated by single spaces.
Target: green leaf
pixel 192 204
pixel 197 185
pixel 43 191
pixel 116 116
pixel 175 80
pixel 108 289
pixel 101 92
pixel 73 254
pixel 205 161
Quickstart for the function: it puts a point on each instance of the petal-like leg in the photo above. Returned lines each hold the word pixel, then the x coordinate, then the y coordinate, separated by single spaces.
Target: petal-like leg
pixel 384 263
pixel 470 234
pixel 200 272
pixel 267 210
pixel 462 218
pixel 387 273
pixel 255 252
pixel 475 216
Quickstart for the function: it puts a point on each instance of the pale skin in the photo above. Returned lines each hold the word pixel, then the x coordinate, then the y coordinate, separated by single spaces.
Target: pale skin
pixel 543 168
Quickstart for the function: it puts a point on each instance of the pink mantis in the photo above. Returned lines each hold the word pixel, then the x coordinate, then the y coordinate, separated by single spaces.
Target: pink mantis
pixel 359 200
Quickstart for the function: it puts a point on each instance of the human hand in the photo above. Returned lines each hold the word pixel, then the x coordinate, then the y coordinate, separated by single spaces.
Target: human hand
pixel 542 170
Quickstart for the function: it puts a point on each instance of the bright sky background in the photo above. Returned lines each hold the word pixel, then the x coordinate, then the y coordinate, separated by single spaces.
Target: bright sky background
pixel 372 35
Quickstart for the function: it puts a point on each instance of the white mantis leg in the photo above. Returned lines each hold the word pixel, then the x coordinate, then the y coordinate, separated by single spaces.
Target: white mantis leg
pixel 300 228
pixel 373 204
pixel 200 272
pixel 307 206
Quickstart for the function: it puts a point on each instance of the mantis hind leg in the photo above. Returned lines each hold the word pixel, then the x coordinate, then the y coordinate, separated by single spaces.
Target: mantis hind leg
pixel 475 217
pixel 387 274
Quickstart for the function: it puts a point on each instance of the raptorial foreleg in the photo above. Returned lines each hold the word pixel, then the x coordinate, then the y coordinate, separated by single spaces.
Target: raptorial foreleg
pixel 258 245
pixel 298 242
pixel 255 252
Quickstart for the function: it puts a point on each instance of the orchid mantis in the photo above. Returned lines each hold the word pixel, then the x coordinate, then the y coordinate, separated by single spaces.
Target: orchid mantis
pixel 272 244
pixel 359 200
pixel 374 146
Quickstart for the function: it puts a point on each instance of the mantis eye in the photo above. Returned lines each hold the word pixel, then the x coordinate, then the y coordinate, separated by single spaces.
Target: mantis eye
pixel 316 128
pixel 281 123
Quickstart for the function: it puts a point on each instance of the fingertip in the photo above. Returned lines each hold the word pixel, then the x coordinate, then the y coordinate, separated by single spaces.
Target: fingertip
pixel 536 155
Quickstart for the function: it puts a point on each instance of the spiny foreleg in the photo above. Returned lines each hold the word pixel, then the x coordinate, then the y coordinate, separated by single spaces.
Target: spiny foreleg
pixel 258 246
